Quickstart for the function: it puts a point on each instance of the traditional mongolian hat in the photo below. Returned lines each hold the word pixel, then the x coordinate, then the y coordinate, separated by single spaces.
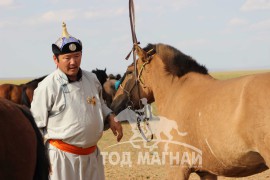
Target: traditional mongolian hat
pixel 66 43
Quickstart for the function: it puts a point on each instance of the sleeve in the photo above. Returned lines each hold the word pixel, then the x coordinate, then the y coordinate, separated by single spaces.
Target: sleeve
pixel 41 105
pixel 105 110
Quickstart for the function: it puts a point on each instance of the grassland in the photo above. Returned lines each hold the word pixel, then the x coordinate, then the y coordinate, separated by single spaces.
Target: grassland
pixel 14 81
pixel 234 74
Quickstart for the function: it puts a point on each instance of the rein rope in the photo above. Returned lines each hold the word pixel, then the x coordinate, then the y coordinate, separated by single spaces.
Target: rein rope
pixel 138 79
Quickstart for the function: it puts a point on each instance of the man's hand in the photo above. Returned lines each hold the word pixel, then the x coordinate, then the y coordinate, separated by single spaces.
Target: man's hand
pixel 115 126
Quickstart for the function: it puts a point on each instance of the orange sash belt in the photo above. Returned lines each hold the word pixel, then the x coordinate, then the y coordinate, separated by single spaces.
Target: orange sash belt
pixel 72 149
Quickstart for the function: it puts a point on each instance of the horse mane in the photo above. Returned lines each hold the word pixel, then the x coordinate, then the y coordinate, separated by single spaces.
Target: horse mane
pixel 176 62
pixel 35 81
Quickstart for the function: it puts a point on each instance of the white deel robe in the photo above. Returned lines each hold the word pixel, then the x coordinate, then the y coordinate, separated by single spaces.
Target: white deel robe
pixel 66 111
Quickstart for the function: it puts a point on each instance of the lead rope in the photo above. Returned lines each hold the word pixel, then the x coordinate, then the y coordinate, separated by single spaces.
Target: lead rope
pixel 133 33
pixel 135 45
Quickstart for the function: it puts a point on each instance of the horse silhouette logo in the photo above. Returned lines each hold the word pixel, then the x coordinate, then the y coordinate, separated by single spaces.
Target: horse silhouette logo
pixel 159 125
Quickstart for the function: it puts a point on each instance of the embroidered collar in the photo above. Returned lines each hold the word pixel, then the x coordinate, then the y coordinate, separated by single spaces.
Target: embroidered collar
pixel 65 78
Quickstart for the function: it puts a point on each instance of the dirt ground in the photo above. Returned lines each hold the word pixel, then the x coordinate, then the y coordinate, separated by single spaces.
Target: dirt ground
pixel 114 170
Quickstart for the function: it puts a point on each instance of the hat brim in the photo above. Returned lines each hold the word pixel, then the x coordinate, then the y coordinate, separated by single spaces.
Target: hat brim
pixel 67 48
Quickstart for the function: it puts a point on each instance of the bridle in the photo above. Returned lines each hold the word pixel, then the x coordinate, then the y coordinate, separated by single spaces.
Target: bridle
pixel 130 104
pixel 138 80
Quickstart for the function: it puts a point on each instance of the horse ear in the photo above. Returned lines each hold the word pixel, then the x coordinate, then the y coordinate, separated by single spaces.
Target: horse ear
pixel 141 53
pixel 105 70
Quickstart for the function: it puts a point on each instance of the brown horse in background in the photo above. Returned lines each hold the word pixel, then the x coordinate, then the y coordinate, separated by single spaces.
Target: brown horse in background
pixel 108 84
pixel 22 152
pixel 109 91
pixel 20 94
pixel 227 120
pixel 110 87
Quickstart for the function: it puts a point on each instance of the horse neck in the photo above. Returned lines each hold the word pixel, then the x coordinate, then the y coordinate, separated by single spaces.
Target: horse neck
pixel 165 86
pixel 160 82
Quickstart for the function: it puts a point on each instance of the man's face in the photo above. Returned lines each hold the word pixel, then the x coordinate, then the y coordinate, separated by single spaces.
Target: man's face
pixel 69 63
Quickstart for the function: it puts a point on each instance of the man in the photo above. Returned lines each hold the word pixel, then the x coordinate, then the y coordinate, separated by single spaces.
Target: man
pixel 68 108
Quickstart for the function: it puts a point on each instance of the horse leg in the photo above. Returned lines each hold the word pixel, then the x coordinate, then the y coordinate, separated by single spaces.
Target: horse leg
pixel 264 150
pixel 207 176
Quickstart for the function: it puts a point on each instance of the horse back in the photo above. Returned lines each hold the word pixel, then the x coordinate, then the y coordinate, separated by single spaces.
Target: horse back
pixel 22 151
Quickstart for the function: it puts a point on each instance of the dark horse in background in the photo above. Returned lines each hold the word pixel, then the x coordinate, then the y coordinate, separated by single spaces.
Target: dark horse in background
pixel 101 75
pixel 20 94
pixel 22 152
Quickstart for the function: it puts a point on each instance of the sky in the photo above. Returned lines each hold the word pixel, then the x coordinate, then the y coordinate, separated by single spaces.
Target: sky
pixel 220 34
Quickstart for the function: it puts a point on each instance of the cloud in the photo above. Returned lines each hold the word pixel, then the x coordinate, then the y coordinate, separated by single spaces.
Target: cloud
pixel 238 22
pixel 261 26
pixel 263 36
pixel 6 3
pixel 235 24
pixel 242 25
pixel 253 5
pixel 2 24
pixel 64 15
pixel 163 6
pixel 11 23
pixel 53 16
pixel 105 13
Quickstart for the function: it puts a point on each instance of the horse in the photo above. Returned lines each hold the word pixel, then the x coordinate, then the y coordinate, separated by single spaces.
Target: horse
pixel 108 91
pixel 108 84
pixel 101 75
pixel 22 152
pixel 227 120
pixel 20 94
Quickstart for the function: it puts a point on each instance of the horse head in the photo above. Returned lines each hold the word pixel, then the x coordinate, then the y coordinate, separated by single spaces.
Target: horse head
pixel 101 75
pixel 136 83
